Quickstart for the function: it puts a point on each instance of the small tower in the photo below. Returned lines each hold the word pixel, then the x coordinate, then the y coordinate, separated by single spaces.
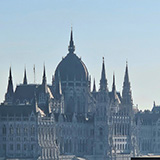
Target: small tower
pixel 103 81
pixel 126 93
pixel 10 92
pixel 25 77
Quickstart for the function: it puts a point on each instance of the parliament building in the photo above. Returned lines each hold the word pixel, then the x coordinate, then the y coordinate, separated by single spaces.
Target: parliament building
pixel 71 119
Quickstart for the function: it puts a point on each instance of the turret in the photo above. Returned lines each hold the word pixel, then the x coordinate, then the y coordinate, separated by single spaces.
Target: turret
pixel 103 81
pixel 9 94
pixel 126 93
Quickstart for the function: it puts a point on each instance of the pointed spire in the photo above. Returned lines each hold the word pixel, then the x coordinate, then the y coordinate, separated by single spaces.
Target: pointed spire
pixel 71 47
pixel 10 83
pixel 44 75
pixel 103 81
pixel 126 78
pixel 113 85
pixel 126 93
pixel 25 77
pixel 94 86
pixel 114 97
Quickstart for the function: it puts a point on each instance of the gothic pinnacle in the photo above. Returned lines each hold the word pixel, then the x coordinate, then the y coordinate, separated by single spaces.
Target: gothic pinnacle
pixel 71 47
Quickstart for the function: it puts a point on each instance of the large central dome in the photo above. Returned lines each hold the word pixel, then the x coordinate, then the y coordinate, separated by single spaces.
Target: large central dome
pixel 71 67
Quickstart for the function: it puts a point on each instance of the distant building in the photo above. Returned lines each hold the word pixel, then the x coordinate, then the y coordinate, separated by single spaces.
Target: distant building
pixel 148 131
pixel 67 119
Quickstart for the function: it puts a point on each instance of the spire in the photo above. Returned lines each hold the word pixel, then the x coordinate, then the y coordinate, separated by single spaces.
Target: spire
pixel 94 86
pixel 10 83
pixel 126 78
pixel 103 81
pixel 71 47
pixel 25 77
pixel 113 85
pixel 115 97
pixel 44 75
pixel 126 93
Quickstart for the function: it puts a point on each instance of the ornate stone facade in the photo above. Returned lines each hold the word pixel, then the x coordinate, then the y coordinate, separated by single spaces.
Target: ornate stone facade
pixel 41 121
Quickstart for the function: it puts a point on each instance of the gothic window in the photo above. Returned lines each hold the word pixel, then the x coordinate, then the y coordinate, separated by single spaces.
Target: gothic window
pixel 4 147
pixel 11 131
pixel 11 147
pixel 32 130
pixel 101 131
pixel 101 147
pixel 32 147
pixel 78 104
pixel 4 130
pixel 92 132
pixel 25 147
pixel 70 105
pixel 18 130
pixel 18 147
pixel 25 130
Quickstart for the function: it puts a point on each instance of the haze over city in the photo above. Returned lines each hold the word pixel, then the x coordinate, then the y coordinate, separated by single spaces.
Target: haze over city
pixel 37 32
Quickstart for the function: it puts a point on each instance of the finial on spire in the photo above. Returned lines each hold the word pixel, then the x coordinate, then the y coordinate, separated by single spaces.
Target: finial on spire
pixel 71 47
pixel 25 76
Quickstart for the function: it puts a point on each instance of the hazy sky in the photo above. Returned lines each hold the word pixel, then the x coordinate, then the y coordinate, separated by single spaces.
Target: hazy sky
pixel 37 31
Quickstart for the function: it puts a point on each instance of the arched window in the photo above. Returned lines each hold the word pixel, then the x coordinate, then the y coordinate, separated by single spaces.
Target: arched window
pixel 70 106
pixel 4 130
pixel 18 130
pixel 32 130
pixel 25 130
pixel 11 131
pixel 101 131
